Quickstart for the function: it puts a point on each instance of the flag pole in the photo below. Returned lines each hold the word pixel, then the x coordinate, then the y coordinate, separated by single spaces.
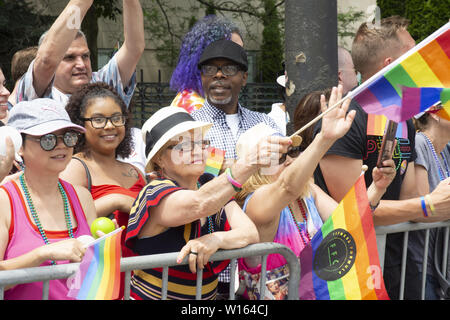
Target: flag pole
pixel 87 245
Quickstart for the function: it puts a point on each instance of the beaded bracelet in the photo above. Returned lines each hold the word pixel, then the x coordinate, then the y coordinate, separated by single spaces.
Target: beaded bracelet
pixel 236 185
pixel 430 203
pixel 424 206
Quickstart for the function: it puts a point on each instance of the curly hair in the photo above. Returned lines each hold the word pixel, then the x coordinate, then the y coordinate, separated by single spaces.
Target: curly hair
pixel 186 74
pixel 76 108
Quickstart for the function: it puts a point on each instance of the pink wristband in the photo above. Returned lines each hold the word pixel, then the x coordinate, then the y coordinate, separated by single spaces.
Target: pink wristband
pixel 231 179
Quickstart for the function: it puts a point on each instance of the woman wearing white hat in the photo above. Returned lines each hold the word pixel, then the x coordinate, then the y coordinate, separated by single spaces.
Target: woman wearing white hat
pixel 182 212
pixel 42 215
pixel 285 206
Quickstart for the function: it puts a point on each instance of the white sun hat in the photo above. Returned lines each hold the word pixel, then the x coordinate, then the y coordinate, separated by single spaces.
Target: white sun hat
pixel 165 124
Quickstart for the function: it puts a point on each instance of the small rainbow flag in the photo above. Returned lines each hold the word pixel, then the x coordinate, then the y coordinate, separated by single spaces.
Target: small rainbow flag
pixel 341 261
pixel 98 277
pixel 422 98
pixel 214 161
pixel 425 65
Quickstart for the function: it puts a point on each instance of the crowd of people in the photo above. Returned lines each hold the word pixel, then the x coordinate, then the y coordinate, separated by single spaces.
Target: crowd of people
pixel 81 158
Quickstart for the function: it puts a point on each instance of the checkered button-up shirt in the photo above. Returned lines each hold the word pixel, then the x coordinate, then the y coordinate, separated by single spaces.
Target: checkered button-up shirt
pixel 220 133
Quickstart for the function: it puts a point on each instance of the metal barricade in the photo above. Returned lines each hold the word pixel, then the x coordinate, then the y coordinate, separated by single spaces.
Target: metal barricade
pixel 166 260
pixel 382 231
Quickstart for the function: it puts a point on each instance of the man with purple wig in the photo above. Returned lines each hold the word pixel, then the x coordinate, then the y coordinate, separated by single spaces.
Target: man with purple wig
pixel 186 79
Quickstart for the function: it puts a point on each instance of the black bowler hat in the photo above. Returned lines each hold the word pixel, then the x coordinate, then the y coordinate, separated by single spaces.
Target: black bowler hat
pixel 226 49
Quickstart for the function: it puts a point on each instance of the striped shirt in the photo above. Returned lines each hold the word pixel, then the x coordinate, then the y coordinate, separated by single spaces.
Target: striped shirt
pixel 147 284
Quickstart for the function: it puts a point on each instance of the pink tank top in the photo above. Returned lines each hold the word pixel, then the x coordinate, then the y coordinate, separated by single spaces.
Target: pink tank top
pixel 24 237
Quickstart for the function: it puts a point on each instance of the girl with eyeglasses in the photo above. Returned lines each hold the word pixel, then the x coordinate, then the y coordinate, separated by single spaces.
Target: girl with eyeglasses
pixel 114 184
pixel 284 203
pixel 42 215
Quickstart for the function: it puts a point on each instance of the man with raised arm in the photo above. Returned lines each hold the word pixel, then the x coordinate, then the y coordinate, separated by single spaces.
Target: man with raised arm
pixel 63 64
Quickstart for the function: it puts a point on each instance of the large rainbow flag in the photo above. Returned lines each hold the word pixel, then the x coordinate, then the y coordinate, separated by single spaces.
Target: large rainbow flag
pixel 422 98
pixel 98 277
pixel 425 65
pixel 341 261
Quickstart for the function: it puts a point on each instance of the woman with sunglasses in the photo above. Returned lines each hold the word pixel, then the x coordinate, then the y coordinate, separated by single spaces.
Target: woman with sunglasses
pixel 114 184
pixel 42 215
pixel 283 202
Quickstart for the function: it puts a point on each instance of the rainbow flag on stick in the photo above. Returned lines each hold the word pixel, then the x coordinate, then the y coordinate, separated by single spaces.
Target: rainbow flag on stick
pixel 422 98
pixel 98 277
pixel 425 65
pixel 341 261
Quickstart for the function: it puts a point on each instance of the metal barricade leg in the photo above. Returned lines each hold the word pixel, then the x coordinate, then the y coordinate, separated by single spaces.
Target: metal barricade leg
pixel 403 268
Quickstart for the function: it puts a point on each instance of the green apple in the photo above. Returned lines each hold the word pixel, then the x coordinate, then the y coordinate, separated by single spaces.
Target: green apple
pixel 102 224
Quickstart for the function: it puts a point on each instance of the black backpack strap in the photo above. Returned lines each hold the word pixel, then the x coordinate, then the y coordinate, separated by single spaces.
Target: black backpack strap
pixel 88 174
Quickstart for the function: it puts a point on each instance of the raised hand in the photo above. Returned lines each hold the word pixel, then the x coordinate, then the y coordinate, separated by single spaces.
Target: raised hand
pixel 336 122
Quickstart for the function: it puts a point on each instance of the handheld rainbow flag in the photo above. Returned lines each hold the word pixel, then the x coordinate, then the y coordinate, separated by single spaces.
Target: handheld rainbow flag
pixel 425 65
pixel 420 99
pixel 341 261
pixel 98 277
pixel 214 161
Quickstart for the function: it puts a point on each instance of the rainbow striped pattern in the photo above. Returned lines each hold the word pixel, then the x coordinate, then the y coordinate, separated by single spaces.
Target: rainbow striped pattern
pixel 425 65
pixel 214 161
pixel 376 125
pixel 341 262
pixel 423 98
pixel 99 272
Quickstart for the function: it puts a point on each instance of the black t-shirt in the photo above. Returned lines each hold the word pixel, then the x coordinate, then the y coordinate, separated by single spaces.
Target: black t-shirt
pixel 356 144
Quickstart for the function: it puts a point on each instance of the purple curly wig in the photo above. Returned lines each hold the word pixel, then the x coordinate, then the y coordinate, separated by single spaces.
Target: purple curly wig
pixel 186 74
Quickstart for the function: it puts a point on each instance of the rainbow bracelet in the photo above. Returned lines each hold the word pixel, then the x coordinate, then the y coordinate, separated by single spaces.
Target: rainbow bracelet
pixel 424 206
pixel 430 203
pixel 236 185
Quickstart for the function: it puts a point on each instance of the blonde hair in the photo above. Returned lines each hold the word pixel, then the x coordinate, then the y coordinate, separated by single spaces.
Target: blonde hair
pixel 372 44
pixel 257 180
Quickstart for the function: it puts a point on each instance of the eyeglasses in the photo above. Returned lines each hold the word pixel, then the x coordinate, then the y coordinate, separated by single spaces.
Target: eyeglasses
pixel 49 141
pixel 99 122
pixel 190 145
pixel 228 70
pixel 293 153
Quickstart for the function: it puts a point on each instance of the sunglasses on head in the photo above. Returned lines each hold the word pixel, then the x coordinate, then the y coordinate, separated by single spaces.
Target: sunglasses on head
pixel 293 153
pixel 49 141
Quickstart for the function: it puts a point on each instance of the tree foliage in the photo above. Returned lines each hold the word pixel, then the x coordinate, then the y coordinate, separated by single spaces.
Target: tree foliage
pixel 20 27
pixel 426 16
pixel 272 48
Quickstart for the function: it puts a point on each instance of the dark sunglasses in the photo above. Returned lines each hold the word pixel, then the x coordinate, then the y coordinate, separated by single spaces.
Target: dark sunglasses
pixel 293 153
pixel 49 141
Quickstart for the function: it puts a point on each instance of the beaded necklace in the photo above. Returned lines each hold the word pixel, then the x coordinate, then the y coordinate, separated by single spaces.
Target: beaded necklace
pixel 303 211
pixel 442 175
pixel 36 217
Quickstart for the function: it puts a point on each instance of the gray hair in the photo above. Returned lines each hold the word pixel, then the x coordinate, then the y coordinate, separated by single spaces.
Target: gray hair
pixel 79 34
